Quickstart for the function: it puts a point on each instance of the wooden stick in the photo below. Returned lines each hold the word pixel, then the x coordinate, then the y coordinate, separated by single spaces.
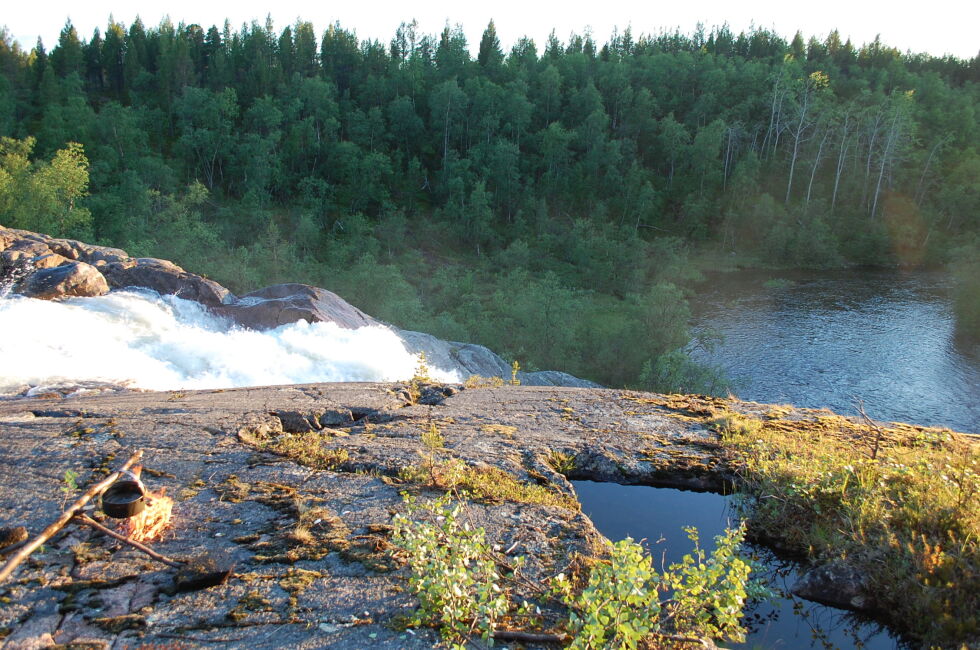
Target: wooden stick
pixel 7 550
pixel 65 517
pixel 528 637
pixel 88 521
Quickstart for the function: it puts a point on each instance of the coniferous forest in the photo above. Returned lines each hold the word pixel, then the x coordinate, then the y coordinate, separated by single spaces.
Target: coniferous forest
pixel 553 201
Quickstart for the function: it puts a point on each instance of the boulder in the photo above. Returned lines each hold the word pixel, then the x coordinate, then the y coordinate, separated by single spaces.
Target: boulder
pixel 94 255
pixel 69 279
pixel 281 304
pixel 49 261
pixel 837 584
pixel 165 278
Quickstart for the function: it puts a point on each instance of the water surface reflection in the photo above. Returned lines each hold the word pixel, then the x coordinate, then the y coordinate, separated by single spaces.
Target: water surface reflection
pixel 658 516
pixel 827 339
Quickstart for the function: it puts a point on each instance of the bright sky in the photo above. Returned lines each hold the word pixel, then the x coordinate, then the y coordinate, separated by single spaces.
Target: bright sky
pixel 937 26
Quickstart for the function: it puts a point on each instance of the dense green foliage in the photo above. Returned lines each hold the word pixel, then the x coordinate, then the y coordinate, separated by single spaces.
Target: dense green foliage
pixel 621 603
pixel 540 202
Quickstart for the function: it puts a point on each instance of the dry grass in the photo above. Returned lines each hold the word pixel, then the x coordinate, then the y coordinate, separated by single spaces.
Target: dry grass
pixel 309 449
pixel 479 381
pixel 898 502
pixel 484 483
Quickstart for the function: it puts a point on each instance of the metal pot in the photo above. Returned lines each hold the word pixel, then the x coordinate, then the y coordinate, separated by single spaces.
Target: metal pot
pixel 125 498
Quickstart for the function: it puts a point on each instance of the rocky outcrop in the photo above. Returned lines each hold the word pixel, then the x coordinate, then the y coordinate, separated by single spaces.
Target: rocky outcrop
pixel 165 278
pixel 471 359
pixel 281 304
pixel 244 465
pixel 66 279
pixel 40 266
pixel 338 586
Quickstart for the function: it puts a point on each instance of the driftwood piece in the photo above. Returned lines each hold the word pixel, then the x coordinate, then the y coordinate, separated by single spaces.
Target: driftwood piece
pixel 65 517
pixel 88 521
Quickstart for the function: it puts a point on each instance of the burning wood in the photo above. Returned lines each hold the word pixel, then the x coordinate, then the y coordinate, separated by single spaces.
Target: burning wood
pixel 150 523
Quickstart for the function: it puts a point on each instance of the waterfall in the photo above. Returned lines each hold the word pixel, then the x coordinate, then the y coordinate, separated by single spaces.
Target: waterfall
pixel 140 339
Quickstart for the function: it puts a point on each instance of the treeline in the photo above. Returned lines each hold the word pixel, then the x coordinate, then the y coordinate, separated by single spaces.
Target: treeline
pixel 542 202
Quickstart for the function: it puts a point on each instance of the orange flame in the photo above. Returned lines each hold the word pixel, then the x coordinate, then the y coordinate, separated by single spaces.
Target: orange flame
pixel 154 519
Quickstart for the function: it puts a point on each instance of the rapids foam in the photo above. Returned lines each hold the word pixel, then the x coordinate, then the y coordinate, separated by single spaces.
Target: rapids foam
pixel 141 339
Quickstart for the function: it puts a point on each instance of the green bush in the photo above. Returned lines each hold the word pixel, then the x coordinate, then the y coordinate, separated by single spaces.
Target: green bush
pixel 624 601
pixel 452 574
pixel 621 604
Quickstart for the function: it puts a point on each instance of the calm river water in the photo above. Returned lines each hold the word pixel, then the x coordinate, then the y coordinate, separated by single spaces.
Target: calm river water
pixel 828 339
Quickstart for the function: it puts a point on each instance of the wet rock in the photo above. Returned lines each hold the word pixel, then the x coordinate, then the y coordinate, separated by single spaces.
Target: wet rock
pixel 49 261
pixel 836 584
pixel 165 278
pixel 468 359
pixel 282 304
pixel 69 279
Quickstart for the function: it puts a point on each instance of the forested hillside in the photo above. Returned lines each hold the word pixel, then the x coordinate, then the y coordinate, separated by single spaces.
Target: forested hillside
pixel 549 202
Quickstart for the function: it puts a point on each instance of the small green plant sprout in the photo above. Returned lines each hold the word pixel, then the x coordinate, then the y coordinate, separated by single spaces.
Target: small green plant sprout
pixel 421 377
pixel 432 438
pixel 514 369
pixel 453 575
pixel 70 482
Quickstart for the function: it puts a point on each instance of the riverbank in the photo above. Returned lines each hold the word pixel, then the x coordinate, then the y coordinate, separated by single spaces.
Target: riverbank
pixel 246 465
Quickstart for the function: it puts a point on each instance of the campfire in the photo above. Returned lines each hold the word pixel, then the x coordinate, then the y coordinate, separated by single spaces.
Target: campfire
pixel 142 516
pixel 149 524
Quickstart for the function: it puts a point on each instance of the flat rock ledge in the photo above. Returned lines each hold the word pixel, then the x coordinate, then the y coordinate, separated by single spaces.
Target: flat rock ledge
pixel 235 496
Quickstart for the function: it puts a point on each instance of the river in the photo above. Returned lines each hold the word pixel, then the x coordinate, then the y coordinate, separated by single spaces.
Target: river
pixel 829 339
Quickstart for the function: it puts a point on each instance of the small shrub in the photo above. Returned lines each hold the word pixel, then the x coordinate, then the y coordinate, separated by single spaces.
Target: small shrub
pixel 479 381
pixel 621 606
pixel 456 582
pixel 561 462
pixel 421 377
pixel 432 438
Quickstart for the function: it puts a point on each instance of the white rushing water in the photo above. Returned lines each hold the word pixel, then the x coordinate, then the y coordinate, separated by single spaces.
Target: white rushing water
pixel 143 340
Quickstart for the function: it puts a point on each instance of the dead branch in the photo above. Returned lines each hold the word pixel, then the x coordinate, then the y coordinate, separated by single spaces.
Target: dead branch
pixel 877 430
pixel 528 637
pixel 65 517
pixel 88 521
